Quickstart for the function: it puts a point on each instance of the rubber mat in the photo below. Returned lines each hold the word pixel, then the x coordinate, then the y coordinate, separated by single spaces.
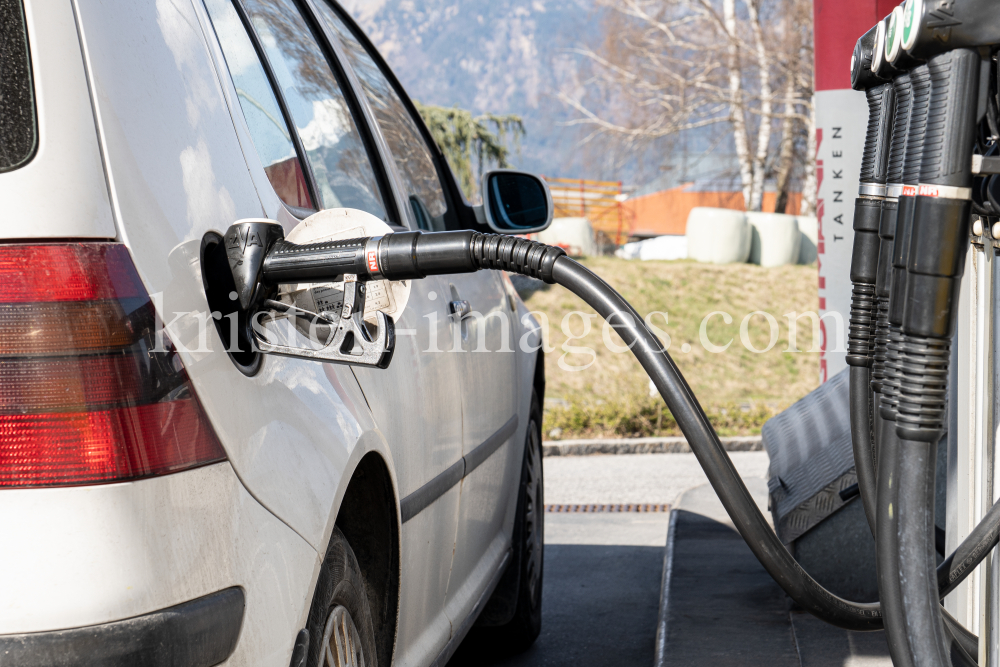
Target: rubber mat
pixel 724 609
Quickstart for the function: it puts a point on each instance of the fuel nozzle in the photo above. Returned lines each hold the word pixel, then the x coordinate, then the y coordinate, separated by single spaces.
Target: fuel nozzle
pixel 930 28
pixel 902 89
pixel 938 240
pixel 871 193
pixel 260 259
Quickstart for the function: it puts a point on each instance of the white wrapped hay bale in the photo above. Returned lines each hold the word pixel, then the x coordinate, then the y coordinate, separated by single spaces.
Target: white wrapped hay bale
pixel 629 250
pixel 668 247
pixel 776 239
pixel 717 235
pixel 809 227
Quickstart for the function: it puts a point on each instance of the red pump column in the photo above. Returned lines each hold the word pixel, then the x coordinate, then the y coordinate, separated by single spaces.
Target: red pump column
pixel 841 120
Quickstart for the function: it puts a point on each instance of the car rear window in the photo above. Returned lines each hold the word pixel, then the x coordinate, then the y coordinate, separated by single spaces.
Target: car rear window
pixel 18 127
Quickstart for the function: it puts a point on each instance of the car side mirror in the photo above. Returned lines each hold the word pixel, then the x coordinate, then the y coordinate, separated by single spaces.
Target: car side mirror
pixel 515 202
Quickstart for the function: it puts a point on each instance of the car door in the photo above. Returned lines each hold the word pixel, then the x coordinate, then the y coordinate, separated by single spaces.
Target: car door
pixel 489 434
pixel 315 155
pixel 481 342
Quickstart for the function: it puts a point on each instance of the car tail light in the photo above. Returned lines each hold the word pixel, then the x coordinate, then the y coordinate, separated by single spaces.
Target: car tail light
pixel 86 396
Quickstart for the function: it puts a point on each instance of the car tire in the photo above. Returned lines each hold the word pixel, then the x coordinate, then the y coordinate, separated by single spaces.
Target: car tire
pixel 529 541
pixel 340 619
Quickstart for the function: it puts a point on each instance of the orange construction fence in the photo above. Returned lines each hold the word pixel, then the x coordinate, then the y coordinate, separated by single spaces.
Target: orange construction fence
pixel 601 202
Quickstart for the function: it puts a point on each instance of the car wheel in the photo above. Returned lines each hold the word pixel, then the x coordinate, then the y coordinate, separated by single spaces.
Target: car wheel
pixel 529 540
pixel 341 633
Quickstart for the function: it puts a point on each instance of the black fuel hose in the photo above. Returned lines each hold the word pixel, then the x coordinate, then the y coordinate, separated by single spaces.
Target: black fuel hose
pixel 969 554
pixel 938 245
pixel 962 639
pixel 861 408
pixel 960 657
pixel 706 446
pixel 887 546
pixel 960 563
pixel 884 438
pixel 728 485
pixel 928 639
pixel 413 255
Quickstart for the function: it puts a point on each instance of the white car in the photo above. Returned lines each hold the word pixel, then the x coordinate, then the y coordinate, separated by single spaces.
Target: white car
pixel 169 496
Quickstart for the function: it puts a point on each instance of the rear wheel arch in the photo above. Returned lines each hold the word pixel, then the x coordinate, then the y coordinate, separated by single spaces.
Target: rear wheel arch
pixel 368 519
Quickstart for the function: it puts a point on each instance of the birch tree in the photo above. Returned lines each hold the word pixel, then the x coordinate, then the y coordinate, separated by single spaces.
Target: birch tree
pixel 737 108
pixel 764 127
pixel 668 67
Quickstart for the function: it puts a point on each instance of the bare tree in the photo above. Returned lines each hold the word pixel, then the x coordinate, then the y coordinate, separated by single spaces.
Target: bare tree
pixel 786 149
pixel 669 67
pixel 764 127
pixel 737 108
pixel 796 145
pixel 809 184
pixel 652 72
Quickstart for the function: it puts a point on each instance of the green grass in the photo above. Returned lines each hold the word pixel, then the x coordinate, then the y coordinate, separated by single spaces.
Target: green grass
pixel 598 392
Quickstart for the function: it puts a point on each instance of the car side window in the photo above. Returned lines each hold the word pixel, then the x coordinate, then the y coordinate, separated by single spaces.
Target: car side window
pixel 412 156
pixel 337 155
pixel 268 129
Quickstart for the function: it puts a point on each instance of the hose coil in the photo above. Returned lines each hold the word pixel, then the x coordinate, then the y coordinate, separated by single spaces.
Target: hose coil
pixel 861 331
pixel 510 253
pixel 891 381
pixel 881 342
pixel 923 375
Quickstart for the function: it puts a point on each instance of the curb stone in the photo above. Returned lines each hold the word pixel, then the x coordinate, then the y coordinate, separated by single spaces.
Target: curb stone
pixel 671 445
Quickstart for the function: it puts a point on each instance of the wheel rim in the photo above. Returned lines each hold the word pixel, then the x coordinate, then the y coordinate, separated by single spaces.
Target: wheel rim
pixel 341 640
pixel 534 527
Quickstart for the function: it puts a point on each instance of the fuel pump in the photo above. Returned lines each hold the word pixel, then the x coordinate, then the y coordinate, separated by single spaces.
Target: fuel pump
pixel 923 70
pixel 931 238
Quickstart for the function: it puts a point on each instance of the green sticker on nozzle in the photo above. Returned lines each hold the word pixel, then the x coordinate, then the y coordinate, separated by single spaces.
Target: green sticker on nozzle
pixel 912 11
pixel 890 35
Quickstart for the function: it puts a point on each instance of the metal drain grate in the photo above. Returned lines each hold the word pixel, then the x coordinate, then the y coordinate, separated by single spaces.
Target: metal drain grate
pixel 595 509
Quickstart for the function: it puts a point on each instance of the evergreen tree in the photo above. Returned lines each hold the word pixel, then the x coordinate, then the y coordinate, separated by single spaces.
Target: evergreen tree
pixel 473 143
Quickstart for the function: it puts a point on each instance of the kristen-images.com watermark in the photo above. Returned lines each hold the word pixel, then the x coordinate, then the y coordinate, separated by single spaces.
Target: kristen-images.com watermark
pixel 476 332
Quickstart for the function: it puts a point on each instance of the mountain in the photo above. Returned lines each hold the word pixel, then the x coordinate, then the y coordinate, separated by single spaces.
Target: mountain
pixel 502 56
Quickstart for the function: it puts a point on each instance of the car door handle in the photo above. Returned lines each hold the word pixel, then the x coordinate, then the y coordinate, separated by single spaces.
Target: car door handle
pixel 459 309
